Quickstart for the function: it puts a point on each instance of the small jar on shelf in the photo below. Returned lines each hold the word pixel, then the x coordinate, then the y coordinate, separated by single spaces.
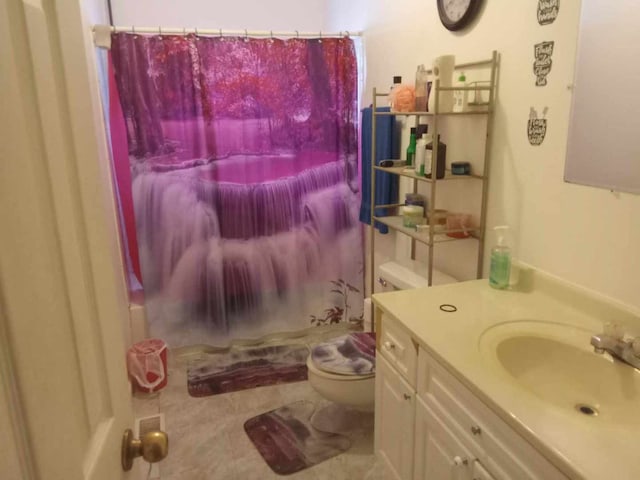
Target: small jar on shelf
pixel 412 216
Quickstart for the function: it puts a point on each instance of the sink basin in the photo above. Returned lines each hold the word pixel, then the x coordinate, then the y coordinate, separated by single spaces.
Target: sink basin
pixel 555 363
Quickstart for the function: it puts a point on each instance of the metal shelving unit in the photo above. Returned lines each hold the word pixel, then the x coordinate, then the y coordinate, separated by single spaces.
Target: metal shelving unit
pixel 427 234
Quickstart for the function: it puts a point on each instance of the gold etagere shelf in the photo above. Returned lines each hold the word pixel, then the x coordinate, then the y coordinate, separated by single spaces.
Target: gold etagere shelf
pixel 431 235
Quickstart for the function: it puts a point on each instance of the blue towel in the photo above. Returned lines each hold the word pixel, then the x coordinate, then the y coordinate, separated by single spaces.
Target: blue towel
pixel 386 148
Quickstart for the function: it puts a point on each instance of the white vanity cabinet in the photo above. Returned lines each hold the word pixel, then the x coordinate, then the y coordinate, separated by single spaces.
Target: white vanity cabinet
pixel 429 426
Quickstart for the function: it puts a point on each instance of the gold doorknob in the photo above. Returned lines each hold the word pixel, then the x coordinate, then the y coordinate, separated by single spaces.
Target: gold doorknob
pixel 153 447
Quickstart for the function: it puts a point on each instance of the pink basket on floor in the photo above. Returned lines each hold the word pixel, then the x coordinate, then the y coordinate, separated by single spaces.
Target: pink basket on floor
pixel 147 365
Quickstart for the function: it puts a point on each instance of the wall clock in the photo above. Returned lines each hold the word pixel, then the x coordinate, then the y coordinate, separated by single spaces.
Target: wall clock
pixel 457 14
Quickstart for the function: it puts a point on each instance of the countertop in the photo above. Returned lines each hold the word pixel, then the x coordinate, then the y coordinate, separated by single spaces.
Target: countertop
pixel 581 447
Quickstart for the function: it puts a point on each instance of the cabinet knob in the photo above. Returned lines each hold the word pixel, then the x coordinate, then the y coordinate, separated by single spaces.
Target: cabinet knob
pixel 407 396
pixel 476 430
pixel 389 346
pixel 459 461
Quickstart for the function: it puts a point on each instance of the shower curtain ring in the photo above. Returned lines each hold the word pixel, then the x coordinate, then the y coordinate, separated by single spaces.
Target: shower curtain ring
pixel 220 33
pixel 297 34
pixel 320 39
pixel 184 31
pixel 133 29
pixel 246 35
pixel 159 30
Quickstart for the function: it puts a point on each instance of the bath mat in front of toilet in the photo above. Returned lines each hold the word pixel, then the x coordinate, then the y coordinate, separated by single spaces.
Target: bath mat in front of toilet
pixel 352 354
pixel 243 368
pixel 289 443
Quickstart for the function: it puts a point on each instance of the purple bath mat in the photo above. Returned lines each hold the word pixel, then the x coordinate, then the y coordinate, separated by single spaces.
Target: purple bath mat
pixel 240 369
pixel 287 441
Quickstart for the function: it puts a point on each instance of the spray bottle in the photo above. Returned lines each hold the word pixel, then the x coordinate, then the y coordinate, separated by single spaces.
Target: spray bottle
pixel 500 260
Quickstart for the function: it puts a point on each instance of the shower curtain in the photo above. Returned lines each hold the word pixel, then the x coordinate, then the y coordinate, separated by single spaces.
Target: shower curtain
pixel 243 157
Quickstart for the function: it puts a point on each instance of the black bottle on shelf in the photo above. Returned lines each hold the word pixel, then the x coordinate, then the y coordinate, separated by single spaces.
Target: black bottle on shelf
pixel 440 161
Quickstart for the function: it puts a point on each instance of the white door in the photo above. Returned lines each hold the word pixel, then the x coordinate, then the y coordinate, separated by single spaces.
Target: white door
pixel 439 455
pixel 63 305
pixel 394 418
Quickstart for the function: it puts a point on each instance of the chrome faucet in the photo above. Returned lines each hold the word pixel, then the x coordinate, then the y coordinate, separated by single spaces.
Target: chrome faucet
pixel 612 341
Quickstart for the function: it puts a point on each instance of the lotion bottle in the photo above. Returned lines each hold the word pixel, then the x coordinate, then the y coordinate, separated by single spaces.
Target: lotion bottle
pixel 500 260
pixel 461 97
pixel 421 152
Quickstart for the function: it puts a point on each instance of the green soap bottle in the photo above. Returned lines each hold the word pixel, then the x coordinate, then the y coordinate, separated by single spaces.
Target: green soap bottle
pixel 411 149
pixel 500 260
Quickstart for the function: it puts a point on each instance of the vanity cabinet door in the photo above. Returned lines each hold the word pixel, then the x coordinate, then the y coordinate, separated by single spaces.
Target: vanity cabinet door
pixel 438 453
pixel 479 472
pixel 394 421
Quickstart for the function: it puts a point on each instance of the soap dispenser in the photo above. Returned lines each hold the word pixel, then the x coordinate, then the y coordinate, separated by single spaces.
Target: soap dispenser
pixel 500 260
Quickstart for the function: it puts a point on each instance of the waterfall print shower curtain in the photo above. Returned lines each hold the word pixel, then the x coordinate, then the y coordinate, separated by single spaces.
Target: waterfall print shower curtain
pixel 243 156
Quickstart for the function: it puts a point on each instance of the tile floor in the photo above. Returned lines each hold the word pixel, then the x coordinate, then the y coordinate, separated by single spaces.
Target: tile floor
pixel 207 439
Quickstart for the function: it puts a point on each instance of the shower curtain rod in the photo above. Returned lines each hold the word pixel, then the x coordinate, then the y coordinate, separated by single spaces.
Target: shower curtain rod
pixel 227 33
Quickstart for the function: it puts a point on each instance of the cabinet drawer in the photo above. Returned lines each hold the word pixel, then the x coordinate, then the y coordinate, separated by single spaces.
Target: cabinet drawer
pixel 498 447
pixel 397 347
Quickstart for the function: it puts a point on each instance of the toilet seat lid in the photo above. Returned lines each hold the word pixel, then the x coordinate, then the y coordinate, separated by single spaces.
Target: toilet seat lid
pixel 353 354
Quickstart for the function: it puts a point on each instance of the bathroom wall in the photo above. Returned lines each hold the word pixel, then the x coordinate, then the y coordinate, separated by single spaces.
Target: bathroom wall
pixel 584 235
pixel 284 15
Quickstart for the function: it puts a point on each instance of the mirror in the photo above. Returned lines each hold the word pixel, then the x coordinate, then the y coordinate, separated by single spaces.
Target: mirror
pixel 604 130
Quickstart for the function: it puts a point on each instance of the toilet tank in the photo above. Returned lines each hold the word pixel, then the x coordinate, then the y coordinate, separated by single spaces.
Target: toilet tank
pixel 394 276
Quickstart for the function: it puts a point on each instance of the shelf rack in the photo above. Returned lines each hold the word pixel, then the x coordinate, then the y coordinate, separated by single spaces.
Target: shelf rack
pixel 429 235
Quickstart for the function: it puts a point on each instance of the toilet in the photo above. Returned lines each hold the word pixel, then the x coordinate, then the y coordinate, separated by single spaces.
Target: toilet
pixel 342 370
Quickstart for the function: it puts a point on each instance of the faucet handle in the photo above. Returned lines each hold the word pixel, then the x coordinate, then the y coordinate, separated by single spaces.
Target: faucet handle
pixel 613 330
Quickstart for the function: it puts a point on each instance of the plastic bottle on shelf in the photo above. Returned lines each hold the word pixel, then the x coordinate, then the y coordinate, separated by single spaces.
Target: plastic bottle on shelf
pixel 421 152
pixel 421 88
pixel 411 149
pixel 500 270
pixel 461 97
pixel 397 80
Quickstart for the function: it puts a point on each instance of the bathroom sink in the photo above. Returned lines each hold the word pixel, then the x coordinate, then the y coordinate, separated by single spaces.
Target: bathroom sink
pixel 556 363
